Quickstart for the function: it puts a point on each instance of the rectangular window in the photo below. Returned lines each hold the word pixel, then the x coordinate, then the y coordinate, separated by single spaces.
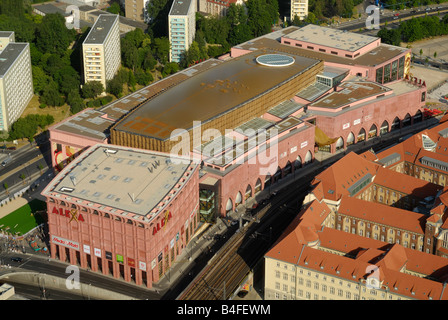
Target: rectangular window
pixel 379 75
pixel 387 77
pixel 394 70
pixel 401 68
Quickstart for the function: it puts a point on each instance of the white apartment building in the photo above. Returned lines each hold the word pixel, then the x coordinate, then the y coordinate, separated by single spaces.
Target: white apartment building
pixel 101 50
pixel 5 38
pixel 181 27
pixel 299 8
pixel 16 82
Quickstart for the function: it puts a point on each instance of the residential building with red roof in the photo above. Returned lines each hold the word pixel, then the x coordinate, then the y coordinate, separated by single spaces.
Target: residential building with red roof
pixel 319 263
pixel 366 231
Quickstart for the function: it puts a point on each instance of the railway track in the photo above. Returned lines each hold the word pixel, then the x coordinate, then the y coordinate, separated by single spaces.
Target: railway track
pixel 231 264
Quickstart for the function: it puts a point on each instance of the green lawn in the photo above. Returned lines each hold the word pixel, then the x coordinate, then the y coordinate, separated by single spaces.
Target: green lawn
pixel 21 220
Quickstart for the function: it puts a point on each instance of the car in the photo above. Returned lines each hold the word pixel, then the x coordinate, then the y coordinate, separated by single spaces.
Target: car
pixel 427 9
pixel 413 11
pixel 395 18
pixel 396 15
pixel 16 259
pixel 234 222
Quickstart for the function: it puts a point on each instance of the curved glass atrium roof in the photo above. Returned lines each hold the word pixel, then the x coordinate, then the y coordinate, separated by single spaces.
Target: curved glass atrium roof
pixel 275 60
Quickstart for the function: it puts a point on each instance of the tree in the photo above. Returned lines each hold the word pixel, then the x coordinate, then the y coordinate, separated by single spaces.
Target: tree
pixel 40 79
pixel 52 35
pixel 239 30
pixel 161 49
pixel 115 8
pixel 260 17
pixel 50 95
pixel 68 79
pixel 170 68
pixel 75 101
pixel 130 57
pixel 158 11
pixel 143 78
pixel 115 86
pixel 92 89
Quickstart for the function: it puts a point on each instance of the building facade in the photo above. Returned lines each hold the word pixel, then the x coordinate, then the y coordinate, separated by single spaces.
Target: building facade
pixel 181 27
pixel 5 38
pixel 137 10
pixel 101 50
pixel 299 8
pixel 16 82
pixel 130 224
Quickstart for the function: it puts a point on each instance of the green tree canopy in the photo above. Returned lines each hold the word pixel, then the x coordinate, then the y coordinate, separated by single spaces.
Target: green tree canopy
pixel 92 89
pixel 52 35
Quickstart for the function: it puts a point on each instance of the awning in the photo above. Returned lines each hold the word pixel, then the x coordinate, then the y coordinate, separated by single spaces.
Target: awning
pixel 322 139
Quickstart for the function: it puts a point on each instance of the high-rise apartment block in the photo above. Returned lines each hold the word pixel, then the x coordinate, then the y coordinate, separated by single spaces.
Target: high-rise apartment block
pixel 299 8
pixel 137 10
pixel 181 27
pixel 101 50
pixel 16 82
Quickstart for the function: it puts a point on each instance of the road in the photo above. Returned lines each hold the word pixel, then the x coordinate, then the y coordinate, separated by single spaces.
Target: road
pixel 43 265
pixel 388 16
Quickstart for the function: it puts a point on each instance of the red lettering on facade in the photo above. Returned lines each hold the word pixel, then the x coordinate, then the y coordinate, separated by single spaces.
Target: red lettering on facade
pixel 72 214
pixel 166 218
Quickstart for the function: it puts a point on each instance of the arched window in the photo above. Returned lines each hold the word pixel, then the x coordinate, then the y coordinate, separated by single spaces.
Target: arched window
pixel 229 206
pixel 350 139
pixel 384 127
pixel 373 131
pixel 248 192
pixel 308 157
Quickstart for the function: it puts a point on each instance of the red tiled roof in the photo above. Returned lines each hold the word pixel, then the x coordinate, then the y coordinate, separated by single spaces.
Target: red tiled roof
pixel 389 258
pixel 344 173
pixel 406 184
pixel 382 214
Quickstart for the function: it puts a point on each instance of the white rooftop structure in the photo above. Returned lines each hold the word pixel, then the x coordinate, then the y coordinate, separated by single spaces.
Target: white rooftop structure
pixel 130 180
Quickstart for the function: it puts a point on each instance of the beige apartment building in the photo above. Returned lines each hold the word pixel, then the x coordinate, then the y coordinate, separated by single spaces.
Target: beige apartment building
pixel 299 8
pixel 16 82
pixel 101 50
pixel 313 262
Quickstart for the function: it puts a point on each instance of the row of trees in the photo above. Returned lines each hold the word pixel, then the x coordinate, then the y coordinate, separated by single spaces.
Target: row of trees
pixel 398 5
pixel 27 127
pixel 325 9
pixel 415 29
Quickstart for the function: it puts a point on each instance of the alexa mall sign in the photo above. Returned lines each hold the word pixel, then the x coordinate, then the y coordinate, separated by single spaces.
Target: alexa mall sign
pixel 72 214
